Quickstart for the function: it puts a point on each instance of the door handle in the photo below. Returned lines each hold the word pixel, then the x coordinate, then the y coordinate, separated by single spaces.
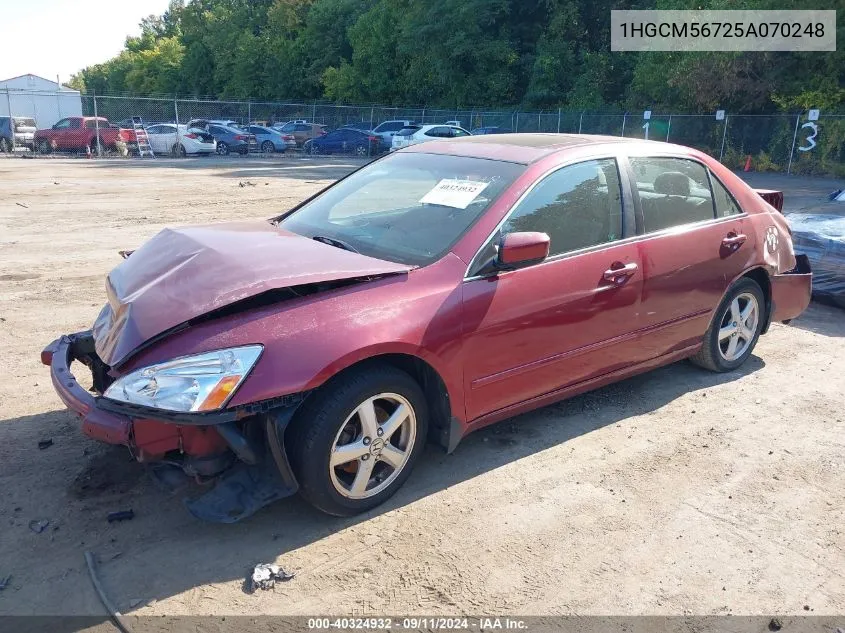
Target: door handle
pixel 619 273
pixel 734 240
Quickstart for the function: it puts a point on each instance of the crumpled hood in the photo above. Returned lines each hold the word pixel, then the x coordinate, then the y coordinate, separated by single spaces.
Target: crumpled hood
pixel 181 274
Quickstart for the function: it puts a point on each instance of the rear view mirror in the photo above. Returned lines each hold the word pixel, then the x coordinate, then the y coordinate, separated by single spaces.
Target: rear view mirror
pixel 517 250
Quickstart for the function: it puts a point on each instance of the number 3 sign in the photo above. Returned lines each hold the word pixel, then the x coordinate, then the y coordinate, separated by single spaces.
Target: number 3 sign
pixel 811 138
pixel 812 115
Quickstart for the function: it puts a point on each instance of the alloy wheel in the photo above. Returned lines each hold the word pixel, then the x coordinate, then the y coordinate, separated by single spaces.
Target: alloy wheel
pixel 738 326
pixel 373 446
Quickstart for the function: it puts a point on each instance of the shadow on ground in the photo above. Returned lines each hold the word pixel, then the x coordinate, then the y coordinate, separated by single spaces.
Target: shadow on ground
pixel 823 319
pixel 163 532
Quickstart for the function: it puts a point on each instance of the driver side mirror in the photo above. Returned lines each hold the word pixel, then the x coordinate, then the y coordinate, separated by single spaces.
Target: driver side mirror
pixel 517 250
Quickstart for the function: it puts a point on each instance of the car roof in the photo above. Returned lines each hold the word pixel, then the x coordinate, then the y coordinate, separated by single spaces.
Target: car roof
pixel 520 148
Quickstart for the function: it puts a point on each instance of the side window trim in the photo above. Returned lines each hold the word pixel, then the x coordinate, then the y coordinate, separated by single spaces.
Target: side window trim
pixel 638 207
pixel 628 227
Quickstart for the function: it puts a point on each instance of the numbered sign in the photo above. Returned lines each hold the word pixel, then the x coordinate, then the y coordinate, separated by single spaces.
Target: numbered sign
pixel 813 115
pixel 809 140
pixel 646 115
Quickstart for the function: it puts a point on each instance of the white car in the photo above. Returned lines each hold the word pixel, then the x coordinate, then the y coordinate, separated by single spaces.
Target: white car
pixel 421 133
pixel 164 139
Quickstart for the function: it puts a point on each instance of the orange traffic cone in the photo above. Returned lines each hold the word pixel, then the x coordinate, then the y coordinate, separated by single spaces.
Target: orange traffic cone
pixel 748 163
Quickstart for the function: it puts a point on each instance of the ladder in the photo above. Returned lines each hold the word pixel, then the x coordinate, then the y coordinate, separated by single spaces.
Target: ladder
pixel 141 138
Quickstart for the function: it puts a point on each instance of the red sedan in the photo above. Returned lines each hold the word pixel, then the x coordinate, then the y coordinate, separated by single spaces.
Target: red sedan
pixel 435 291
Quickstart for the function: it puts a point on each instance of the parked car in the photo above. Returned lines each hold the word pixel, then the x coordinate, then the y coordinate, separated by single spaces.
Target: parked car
pixel 490 130
pixel 429 294
pixel 202 124
pixel 270 140
pixel 387 129
pixel 232 139
pixel 164 138
pixel 419 134
pixel 302 131
pixel 17 131
pixel 345 141
pixel 77 133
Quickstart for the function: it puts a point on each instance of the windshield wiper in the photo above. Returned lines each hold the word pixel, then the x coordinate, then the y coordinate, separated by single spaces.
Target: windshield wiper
pixel 331 241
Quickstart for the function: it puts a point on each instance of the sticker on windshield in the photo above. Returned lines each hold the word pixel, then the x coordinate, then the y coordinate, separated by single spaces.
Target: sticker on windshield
pixel 451 192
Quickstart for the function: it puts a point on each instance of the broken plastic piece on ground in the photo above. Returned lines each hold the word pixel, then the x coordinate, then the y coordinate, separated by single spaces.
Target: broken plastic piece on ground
pixel 39 525
pixel 121 515
pixel 45 443
pixel 240 493
pixel 4 582
pixel 125 254
pixel 265 575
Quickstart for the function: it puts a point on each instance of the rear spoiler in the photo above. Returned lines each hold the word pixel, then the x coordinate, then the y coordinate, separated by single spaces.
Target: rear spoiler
pixel 774 198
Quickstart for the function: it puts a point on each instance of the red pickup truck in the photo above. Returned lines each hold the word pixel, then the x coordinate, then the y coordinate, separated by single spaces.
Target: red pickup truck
pixel 77 133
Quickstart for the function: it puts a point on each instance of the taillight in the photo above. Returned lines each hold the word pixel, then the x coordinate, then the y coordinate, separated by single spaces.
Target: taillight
pixel 240 137
pixel 191 135
pixel 373 138
pixel 288 137
pixel 323 132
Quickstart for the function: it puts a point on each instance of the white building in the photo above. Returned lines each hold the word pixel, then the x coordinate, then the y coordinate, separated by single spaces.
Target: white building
pixel 44 100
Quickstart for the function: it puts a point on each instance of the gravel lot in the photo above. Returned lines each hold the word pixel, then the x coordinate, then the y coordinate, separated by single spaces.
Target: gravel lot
pixel 676 492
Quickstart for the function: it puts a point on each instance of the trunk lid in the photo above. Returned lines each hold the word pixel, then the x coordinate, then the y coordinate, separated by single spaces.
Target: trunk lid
pixel 181 274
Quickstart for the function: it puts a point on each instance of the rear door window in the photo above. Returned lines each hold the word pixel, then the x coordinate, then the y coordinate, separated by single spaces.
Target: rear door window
pixel 672 192
pixel 725 204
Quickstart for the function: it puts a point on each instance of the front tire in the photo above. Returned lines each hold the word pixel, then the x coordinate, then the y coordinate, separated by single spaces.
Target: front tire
pixel 5 146
pixel 356 440
pixel 222 149
pixel 44 146
pixel 735 328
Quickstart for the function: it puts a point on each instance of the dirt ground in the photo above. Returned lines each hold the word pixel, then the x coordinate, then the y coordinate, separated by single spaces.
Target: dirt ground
pixel 676 492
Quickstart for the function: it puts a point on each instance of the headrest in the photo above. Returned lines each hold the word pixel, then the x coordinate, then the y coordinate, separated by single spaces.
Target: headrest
pixel 672 183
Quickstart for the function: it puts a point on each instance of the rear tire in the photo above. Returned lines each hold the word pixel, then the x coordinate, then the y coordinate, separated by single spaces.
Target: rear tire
pixel 329 420
pixel 178 150
pixel 267 147
pixel 5 146
pixel 735 328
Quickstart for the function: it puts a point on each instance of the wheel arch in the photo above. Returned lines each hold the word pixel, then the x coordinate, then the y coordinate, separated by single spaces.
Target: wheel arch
pixel 444 427
pixel 760 275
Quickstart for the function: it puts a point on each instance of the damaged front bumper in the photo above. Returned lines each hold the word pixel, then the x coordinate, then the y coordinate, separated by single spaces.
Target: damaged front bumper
pixel 201 444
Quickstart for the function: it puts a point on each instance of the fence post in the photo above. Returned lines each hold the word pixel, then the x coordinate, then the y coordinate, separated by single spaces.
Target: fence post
pixel 176 112
pixel 558 120
pixel 580 121
pixel 11 120
pixel 724 137
pixel 792 151
pixel 668 127
pixel 96 123
pixel 372 110
pixel 516 127
pixel 314 112
pixel 248 113
pixel 624 119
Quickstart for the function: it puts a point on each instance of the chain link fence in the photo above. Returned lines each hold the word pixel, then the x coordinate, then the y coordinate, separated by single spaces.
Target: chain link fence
pixel 790 143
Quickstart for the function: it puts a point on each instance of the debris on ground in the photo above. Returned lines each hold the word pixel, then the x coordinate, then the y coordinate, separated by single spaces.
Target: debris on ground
pixel 246 183
pixel 39 525
pixel 775 624
pixel 121 515
pixel 265 575
pixel 45 443
pixel 21 204
pixel 4 582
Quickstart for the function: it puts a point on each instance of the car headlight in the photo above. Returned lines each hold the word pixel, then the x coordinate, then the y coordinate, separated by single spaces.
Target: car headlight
pixel 204 382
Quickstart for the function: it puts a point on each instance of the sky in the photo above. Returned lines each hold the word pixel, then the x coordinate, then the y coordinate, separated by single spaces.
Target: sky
pixel 60 37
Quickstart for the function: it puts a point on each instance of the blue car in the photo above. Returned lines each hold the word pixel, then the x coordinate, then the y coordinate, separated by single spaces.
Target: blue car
pixel 345 141
pixel 270 140
pixel 232 139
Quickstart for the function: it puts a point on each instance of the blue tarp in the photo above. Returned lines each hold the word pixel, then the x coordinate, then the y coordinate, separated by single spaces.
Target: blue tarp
pixel 822 238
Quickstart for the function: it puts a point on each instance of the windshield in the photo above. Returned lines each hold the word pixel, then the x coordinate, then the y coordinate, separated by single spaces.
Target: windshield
pixel 406 208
